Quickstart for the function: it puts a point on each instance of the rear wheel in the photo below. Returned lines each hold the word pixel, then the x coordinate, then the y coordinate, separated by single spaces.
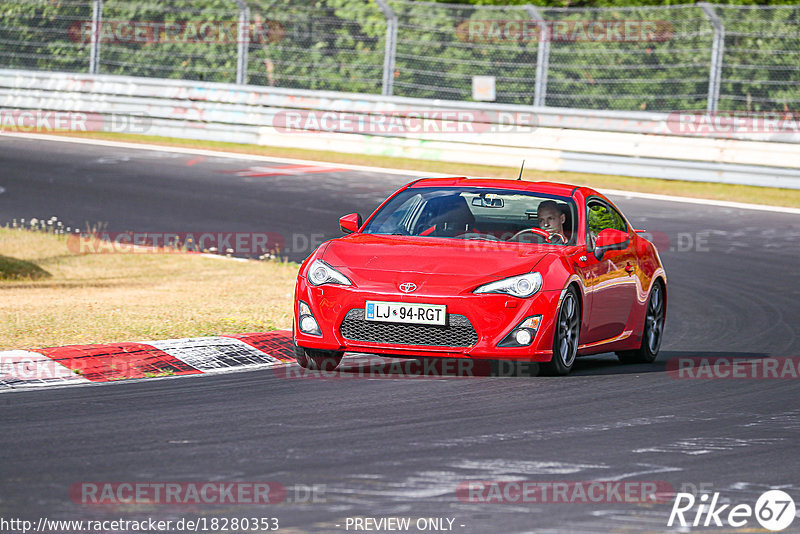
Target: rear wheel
pixel 652 332
pixel 318 360
pixel 565 337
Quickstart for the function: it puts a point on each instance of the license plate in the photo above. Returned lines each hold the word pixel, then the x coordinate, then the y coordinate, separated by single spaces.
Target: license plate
pixel 404 312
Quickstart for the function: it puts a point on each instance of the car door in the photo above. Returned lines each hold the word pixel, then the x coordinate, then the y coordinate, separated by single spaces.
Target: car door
pixel 608 275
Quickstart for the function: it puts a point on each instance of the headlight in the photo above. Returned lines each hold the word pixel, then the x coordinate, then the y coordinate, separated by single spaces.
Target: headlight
pixel 521 286
pixel 321 273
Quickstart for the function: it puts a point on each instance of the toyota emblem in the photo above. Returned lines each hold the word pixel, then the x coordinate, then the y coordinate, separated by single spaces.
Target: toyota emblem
pixel 407 287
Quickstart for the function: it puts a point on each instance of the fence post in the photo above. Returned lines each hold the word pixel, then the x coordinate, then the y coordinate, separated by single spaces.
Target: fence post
pixel 94 46
pixel 542 56
pixel 717 52
pixel 243 40
pixel 390 50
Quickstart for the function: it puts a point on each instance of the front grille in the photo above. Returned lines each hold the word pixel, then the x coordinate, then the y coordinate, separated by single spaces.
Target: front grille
pixel 457 333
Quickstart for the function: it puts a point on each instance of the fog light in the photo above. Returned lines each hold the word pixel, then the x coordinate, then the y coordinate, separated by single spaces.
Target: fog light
pixel 308 325
pixel 523 337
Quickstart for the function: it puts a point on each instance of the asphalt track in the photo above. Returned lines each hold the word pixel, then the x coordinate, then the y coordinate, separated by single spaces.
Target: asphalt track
pixel 400 447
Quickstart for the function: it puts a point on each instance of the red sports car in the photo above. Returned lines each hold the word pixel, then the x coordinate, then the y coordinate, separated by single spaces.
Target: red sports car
pixel 483 269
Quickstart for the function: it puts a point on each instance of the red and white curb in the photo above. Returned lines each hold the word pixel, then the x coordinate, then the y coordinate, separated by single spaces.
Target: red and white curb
pixel 86 364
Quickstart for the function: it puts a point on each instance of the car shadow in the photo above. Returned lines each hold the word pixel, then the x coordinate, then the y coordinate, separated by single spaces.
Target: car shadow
pixel 608 364
pixel 375 367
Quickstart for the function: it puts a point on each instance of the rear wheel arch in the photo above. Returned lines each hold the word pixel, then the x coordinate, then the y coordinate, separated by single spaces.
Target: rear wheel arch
pixel 653 328
pixel 664 292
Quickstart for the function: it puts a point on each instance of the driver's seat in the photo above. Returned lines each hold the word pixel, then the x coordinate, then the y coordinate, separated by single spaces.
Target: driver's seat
pixel 568 228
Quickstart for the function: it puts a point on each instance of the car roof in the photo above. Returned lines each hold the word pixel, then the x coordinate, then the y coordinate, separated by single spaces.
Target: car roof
pixel 550 188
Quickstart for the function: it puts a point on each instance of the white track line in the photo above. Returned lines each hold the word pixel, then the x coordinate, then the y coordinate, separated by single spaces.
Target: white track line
pixel 271 159
pixel 703 201
pixel 216 153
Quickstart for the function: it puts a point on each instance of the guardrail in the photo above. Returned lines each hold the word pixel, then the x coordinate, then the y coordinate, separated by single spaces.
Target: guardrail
pixel 699 56
pixel 693 146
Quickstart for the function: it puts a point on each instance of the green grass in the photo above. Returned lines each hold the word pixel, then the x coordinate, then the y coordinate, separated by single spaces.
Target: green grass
pixel 736 193
pixel 117 297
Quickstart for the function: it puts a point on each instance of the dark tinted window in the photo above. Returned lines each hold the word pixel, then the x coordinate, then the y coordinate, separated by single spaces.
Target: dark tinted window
pixel 472 213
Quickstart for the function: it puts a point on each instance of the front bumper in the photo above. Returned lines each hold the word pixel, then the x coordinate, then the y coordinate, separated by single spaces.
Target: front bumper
pixel 338 311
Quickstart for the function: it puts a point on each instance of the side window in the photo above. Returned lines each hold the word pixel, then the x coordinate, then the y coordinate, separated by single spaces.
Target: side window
pixel 400 218
pixel 600 216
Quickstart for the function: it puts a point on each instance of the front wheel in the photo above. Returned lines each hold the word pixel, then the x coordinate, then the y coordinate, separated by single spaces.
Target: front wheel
pixel 317 360
pixel 652 332
pixel 565 337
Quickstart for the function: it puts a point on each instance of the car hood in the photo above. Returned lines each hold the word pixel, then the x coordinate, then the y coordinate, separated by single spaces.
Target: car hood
pixel 377 260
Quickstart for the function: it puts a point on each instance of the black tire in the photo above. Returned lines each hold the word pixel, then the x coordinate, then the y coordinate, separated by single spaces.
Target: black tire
pixel 300 356
pixel 566 336
pixel 653 329
pixel 317 360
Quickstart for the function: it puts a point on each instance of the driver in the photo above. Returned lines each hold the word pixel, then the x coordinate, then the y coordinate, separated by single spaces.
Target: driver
pixel 551 218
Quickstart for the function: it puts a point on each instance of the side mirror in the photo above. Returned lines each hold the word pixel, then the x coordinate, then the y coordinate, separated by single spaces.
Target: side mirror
pixel 610 239
pixel 350 223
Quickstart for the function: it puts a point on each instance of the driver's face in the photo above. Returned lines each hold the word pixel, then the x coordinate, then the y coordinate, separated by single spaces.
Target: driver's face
pixel 551 220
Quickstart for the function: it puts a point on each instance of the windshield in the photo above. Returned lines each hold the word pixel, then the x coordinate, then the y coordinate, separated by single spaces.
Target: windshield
pixel 477 213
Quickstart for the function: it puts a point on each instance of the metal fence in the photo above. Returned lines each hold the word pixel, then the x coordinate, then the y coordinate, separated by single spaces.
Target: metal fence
pixel 687 57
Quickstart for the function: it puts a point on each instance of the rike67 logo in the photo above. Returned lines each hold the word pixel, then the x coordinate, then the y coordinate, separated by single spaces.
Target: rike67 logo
pixel 774 510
